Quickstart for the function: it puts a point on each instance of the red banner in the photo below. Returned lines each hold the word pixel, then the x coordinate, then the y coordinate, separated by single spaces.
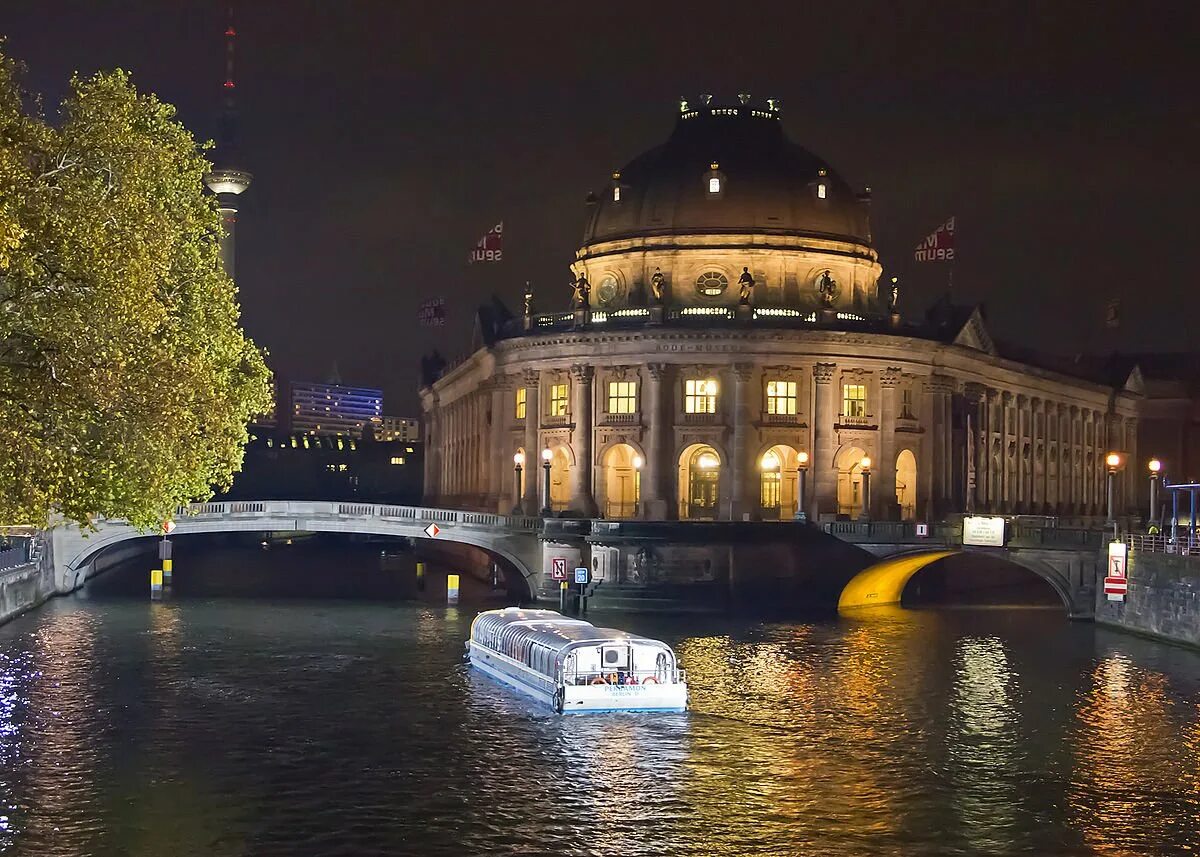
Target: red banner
pixel 491 246
pixel 938 246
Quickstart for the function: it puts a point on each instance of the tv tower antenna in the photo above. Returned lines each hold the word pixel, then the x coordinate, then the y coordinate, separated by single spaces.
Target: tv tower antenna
pixel 227 180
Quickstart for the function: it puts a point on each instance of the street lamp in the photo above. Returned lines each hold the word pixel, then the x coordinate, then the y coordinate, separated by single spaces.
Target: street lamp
pixel 637 483
pixel 518 466
pixel 1113 462
pixel 1155 466
pixel 801 484
pixel 865 514
pixel 546 456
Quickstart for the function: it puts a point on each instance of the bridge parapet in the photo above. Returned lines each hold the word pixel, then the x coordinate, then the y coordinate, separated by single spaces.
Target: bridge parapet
pixel 311 508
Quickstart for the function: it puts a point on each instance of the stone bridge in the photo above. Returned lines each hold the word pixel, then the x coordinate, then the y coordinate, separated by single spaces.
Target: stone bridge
pixel 514 540
pixel 1070 560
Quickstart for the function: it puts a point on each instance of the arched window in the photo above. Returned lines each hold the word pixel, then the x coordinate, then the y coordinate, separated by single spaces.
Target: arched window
pixel 711 284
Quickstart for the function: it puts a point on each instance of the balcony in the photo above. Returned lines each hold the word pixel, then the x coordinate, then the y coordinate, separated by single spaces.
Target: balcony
pixel 845 421
pixel 556 421
pixel 908 424
pixel 702 419
pixel 618 419
pixel 781 419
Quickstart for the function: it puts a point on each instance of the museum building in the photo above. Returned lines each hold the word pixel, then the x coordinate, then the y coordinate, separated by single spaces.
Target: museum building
pixel 731 353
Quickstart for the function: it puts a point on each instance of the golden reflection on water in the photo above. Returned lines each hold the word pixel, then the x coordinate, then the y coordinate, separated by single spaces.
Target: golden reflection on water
pixel 1129 768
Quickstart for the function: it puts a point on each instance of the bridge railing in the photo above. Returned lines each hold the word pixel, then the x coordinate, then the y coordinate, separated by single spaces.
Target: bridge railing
pixel 1184 544
pixel 1017 534
pixel 14 556
pixel 415 514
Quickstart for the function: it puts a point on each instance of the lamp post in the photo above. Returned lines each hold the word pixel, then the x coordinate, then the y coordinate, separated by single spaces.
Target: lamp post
pixel 1155 466
pixel 637 483
pixel 546 456
pixel 801 484
pixel 1113 462
pixel 865 514
pixel 518 466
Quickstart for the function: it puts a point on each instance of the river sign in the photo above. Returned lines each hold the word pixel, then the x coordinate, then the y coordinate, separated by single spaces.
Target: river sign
pixel 432 530
pixel 558 568
pixel 168 527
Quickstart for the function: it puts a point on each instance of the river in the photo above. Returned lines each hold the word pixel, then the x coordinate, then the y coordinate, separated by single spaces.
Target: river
pixel 235 720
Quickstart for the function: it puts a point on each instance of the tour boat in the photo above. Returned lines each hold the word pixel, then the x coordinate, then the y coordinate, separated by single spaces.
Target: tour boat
pixel 574 666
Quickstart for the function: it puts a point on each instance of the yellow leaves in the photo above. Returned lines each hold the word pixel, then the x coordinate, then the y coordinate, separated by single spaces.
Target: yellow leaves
pixel 134 381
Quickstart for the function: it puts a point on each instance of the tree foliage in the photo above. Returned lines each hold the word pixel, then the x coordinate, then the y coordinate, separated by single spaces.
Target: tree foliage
pixel 126 382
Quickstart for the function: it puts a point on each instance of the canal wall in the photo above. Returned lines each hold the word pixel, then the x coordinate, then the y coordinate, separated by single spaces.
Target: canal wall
pixel 25 586
pixel 1163 600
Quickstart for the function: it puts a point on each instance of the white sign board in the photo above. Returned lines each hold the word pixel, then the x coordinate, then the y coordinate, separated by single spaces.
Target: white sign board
pixel 581 575
pixel 558 568
pixel 983 531
pixel 922 530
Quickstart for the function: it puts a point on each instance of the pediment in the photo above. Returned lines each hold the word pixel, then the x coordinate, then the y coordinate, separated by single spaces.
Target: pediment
pixel 1135 383
pixel 974 335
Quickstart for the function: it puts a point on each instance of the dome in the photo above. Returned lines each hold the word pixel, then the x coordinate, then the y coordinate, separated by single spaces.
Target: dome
pixel 728 169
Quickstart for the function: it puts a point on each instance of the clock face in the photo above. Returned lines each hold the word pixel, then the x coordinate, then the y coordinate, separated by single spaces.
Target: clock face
pixel 606 292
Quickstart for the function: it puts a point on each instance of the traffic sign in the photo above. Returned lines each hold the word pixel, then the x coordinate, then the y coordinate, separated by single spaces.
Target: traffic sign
pixel 168 527
pixel 1116 585
pixel 922 530
pixel 558 568
pixel 581 575
pixel 432 530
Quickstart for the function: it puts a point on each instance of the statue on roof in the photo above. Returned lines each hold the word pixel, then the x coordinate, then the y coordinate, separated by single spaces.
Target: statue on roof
pixel 528 298
pixel 582 291
pixel 827 287
pixel 746 284
pixel 894 303
pixel 656 285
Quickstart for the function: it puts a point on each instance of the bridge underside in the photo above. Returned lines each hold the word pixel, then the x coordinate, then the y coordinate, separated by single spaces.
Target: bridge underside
pixel 884 582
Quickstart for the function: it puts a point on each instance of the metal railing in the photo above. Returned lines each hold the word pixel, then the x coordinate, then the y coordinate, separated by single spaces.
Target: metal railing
pixel 625 677
pixel 1185 543
pixel 15 556
pixel 302 508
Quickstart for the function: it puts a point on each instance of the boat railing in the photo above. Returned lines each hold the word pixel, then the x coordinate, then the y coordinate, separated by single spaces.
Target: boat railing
pixel 619 677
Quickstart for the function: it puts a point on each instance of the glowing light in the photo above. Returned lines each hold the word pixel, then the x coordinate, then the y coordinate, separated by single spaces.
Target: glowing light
pixel 617 193
pixel 802 458
pixel 637 462
pixel 1113 460
pixel 547 455
pixel 821 191
pixel 714 185
pixel 708 461
pixel 883 582
pixel 770 461
pixel 866 463
pixel 1155 465
pixel 519 459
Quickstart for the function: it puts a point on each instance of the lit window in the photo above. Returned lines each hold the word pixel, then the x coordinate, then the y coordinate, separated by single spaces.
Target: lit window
pixel 617 193
pixel 700 396
pixel 712 283
pixel 622 397
pixel 520 403
pixel 822 190
pixel 854 400
pixel 781 397
pixel 408 449
pixel 397 459
pixel 558 400
pixel 341 467
pixel 714 184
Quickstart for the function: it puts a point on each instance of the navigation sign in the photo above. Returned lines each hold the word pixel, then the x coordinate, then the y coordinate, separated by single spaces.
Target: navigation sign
pixel 983 531
pixel 558 568
pixel 922 530
pixel 168 527
pixel 581 575
pixel 1116 583
pixel 432 530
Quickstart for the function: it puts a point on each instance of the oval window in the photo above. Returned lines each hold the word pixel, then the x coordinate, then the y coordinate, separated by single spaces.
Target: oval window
pixel 607 290
pixel 712 283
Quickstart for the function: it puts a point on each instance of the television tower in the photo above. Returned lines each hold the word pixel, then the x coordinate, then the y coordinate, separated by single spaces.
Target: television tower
pixel 227 180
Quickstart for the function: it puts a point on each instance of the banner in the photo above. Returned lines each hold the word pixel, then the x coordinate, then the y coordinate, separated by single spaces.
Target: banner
pixel 491 246
pixel 938 246
pixel 432 313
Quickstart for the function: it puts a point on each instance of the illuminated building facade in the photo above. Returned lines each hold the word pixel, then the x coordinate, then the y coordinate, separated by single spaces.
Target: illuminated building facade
pixel 731 340
pixel 333 409
pixel 407 429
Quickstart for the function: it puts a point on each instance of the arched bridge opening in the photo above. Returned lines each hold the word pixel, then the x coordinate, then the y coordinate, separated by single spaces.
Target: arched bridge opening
pixel 928 577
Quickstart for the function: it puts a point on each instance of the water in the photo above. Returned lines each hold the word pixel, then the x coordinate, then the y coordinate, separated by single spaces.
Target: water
pixel 257 726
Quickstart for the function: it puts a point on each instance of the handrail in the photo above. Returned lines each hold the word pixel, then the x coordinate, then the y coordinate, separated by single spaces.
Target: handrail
pixel 1184 544
pixel 293 508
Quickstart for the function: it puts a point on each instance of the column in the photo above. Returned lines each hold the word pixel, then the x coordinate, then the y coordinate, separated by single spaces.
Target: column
pixel 1089 466
pixel 499 457
pixel 976 396
pixel 1135 471
pixel 581 474
pixel 1006 462
pixel 533 449
pixel 744 500
pixel 1022 464
pixel 995 416
pixel 1074 463
pixel 884 484
pixel 941 448
pixel 823 490
pixel 659 462
pixel 1037 462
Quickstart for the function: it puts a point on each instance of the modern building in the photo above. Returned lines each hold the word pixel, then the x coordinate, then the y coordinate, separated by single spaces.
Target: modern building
pixel 333 409
pixel 730 348
pixel 407 429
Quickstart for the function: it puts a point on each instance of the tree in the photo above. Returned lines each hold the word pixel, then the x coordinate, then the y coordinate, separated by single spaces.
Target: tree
pixel 126 382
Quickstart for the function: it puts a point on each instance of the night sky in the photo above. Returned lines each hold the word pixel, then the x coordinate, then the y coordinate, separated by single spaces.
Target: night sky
pixel 385 138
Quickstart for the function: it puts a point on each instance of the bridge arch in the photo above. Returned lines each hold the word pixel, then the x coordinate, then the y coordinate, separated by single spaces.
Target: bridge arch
pixel 512 539
pixel 884 581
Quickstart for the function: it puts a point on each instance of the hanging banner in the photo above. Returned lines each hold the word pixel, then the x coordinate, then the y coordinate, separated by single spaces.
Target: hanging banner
pixel 938 246
pixel 432 313
pixel 490 247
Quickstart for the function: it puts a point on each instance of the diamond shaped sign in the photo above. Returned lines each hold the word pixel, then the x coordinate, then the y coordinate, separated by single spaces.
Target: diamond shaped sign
pixel 432 530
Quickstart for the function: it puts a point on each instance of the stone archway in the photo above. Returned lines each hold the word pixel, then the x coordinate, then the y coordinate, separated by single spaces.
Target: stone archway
pixel 620 481
pixel 849 480
pixel 778 482
pixel 906 484
pixel 699 483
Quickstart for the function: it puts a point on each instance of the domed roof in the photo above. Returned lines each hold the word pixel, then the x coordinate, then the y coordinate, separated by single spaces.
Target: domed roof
pixel 767 184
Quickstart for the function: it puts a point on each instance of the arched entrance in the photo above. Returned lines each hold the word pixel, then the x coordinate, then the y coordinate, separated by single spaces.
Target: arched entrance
pixel 778 483
pixel 849 480
pixel 699 483
pixel 622 481
pixel 560 484
pixel 906 485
